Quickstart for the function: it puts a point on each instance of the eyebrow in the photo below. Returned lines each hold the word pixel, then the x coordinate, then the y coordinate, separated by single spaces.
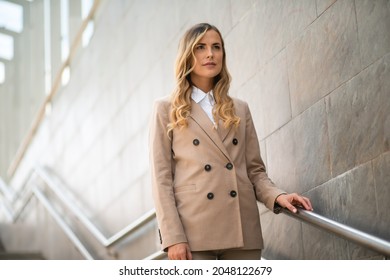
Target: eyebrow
pixel 203 44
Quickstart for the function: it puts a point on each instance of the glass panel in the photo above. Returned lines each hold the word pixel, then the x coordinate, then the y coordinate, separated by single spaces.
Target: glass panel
pixel 86 6
pixel 47 44
pixel 6 46
pixel 2 72
pixel 11 16
pixel 64 29
pixel 87 34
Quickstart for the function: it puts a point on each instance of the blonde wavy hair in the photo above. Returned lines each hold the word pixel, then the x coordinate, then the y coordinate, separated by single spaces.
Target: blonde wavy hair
pixel 181 96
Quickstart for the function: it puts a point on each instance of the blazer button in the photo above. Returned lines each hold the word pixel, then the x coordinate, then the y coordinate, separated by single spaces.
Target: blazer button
pixel 210 195
pixel 233 193
pixel 235 141
pixel 207 167
pixel 229 166
pixel 195 142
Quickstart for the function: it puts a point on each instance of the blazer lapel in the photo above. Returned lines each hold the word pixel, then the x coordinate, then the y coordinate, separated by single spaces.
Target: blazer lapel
pixel 222 131
pixel 201 118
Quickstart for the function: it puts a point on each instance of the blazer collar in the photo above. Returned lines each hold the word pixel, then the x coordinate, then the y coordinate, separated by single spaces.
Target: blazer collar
pixel 216 135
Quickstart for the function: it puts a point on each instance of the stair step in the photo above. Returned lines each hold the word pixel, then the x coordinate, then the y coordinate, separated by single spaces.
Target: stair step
pixel 2 249
pixel 21 256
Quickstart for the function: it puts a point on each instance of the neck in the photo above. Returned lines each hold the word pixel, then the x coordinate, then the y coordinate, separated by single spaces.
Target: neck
pixel 203 84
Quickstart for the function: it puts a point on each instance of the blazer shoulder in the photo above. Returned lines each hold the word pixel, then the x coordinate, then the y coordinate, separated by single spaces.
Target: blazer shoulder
pixel 239 102
pixel 161 106
pixel 162 102
pixel 240 106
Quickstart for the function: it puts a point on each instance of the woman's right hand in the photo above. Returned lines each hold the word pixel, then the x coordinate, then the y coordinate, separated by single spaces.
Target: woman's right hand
pixel 180 251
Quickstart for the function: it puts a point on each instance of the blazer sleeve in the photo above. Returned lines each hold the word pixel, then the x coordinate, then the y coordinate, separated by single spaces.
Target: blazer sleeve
pixel 161 160
pixel 266 191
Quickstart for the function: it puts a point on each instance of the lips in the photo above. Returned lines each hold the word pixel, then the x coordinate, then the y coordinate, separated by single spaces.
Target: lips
pixel 209 64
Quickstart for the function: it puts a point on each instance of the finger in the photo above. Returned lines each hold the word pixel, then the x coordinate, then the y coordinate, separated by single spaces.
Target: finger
pixel 183 254
pixel 305 203
pixel 298 200
pixel 308 203
pixel 291 207
pixel 176 255
pixel 170 255
pixel 189 255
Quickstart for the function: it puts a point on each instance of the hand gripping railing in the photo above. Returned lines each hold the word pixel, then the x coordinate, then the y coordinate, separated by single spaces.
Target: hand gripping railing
pixel 369 241
pixel 364 239
pixel 359 237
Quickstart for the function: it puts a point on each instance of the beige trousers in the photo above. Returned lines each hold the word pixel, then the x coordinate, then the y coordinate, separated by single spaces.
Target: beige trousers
pixel 232 254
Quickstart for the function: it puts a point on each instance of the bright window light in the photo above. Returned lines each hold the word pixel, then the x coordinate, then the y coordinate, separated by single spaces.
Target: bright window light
pixel 87 34
pixel 64 29
pixel 65 78
pixel 6 46
pixel 11 16
pixel 2 72
pixel 86 6
pixel 47 45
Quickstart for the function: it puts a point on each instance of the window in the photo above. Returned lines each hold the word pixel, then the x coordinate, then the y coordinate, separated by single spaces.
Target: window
pixel 64 29
pixel 2 72
pixel 86 6
pixel 11 16
pixel 6 46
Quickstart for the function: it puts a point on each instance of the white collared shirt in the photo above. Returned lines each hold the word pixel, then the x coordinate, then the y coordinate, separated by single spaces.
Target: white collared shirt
pixel 205 100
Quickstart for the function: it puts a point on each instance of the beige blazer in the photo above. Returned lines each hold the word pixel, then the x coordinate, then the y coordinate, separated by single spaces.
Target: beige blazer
pixel 206 181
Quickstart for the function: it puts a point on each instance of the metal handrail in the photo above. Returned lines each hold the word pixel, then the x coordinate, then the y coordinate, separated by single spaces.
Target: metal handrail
pixel 13 215
pixel 10 198
pixel 61 222
pixel 362 238
pixel 53 185
pixel 156 256
pixel 93 229
pixel 6 191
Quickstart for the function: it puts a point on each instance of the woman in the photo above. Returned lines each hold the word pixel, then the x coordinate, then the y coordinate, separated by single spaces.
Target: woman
pixel 207 173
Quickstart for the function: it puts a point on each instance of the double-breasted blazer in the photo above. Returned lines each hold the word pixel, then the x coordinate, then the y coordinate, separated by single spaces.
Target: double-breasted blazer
pixel 206 181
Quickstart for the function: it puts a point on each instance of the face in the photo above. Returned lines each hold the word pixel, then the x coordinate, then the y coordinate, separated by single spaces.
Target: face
pixel 209 58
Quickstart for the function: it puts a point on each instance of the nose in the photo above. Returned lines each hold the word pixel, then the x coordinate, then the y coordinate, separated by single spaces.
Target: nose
pixel 210 53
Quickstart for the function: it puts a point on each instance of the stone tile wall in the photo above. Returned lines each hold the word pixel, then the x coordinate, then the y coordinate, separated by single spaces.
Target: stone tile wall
pixel 316 77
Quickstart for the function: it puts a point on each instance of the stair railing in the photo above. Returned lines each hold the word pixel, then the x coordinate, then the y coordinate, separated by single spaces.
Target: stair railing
pixel 55 186
pixel 32 189
pixel 344 231
pixel 81 247
pixel 10 199
pixel 349 233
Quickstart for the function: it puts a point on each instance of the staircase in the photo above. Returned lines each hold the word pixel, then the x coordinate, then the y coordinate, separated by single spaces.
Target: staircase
pixel 4 255
pixel 20 256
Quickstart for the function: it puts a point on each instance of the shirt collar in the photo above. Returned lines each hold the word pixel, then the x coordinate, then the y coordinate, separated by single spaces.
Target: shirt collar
pixel 198 95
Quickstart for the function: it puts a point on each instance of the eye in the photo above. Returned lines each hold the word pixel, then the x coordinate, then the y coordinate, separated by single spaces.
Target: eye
pixel 199 47
pixel 217 47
